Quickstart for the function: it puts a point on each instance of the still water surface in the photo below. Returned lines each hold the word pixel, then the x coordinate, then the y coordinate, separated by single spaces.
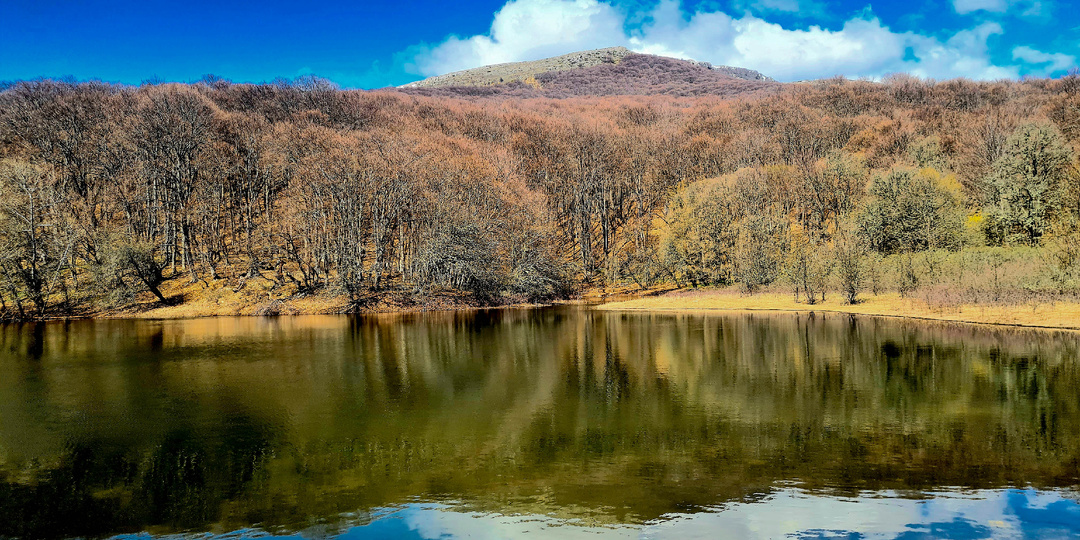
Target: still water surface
pixel 547 423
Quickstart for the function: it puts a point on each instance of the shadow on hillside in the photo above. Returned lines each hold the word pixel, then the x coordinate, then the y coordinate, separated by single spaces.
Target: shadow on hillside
pixel 174 300
pixel 144 306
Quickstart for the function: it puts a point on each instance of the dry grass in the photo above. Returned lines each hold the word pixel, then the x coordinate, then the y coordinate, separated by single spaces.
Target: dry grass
pixel 1061 314
pixel 259 298
pixel 520 71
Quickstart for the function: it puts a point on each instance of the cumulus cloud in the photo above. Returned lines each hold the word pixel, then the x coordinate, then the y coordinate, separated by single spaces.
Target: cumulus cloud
pixel 529 30
pixel 965 54
pixel 1045 63
pixel 861 47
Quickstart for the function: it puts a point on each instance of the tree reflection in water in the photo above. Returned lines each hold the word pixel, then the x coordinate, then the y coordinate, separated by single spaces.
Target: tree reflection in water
pixel 634 423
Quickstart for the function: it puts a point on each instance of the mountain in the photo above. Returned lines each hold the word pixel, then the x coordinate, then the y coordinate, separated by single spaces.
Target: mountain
pixel 523 71
pixel 599 72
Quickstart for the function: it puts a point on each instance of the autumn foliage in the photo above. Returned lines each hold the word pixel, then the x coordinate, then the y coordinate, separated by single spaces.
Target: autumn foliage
pixel 107 191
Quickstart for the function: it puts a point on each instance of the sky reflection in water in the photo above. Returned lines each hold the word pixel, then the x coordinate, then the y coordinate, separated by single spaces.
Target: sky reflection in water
pixel 548 423
pixel 787 513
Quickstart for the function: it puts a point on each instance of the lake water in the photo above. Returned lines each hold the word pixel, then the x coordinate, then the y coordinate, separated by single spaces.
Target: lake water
pixel 545 423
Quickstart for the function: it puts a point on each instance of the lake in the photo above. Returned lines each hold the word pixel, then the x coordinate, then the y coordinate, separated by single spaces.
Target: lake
pixel 558 422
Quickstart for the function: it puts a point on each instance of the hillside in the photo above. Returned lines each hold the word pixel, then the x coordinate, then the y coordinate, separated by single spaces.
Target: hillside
pixel 214 197
pixel 600 72
pixel 523 71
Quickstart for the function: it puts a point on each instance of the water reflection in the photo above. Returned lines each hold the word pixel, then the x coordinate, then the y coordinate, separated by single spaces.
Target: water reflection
pixel 787 513
pixel 561 419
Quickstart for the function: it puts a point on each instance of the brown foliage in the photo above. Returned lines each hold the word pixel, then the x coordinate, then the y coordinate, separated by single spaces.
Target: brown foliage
pixel 308 187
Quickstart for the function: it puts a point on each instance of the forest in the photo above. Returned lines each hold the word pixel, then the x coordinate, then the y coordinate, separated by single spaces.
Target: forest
pixel 114 196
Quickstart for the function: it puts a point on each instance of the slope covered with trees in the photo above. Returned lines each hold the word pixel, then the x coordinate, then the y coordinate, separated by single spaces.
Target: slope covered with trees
pixel 112 194
pixel 626 74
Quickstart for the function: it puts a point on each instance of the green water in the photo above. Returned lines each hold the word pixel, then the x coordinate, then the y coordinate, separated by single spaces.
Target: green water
pixel 550 422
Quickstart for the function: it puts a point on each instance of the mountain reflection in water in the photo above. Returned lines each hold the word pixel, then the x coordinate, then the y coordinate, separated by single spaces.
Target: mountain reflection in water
pixel 550 422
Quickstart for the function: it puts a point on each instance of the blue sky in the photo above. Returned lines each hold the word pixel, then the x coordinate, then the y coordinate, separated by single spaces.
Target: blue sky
pixel 375 44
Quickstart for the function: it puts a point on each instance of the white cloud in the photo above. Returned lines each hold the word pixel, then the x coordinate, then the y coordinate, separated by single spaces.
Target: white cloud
pixel 776 5
pixel 863 46
pixel 1031 8
pixel 965 54
pixel 529 30
pixel 1046 63
pixel 799 8
pixel 968 6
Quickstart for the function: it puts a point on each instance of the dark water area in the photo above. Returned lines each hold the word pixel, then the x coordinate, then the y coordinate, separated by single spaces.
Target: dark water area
pixel 543 423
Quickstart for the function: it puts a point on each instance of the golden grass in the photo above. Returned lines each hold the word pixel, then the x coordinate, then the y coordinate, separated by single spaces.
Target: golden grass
pixel 210 299
pixel 213 299
pixel 258 297
pixel 1044 315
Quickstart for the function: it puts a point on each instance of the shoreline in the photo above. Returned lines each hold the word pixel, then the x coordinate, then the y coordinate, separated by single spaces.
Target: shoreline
pixel 319 305
pixel 1060 315
pixel 1041 316
pixel 217 299
pixel 155 314
pixel 201 300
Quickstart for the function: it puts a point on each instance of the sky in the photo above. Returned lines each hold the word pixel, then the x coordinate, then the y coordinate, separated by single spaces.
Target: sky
pixel 361 44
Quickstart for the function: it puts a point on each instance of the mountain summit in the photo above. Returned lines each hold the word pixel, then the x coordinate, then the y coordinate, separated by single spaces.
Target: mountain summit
pixel 610 71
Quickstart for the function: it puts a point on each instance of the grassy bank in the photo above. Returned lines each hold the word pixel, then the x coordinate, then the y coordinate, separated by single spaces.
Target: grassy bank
pixel 1057 314
pixel 257 298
